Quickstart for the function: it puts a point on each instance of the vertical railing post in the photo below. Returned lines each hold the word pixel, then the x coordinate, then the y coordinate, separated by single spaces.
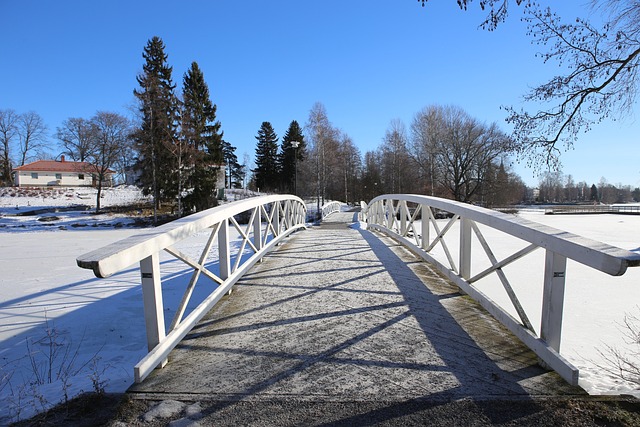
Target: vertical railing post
pixel 426 219
pixel 404 210
pixel 223 249
pixel 152 301
pixel 286 216
pixel 465 248
pixel 257 229
pixel 276 219
pixel 555 267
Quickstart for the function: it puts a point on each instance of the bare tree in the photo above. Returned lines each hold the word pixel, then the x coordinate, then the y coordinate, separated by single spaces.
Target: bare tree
pixel 350 167
pixel 497 10
pixel 397 167
pixel 602 81
pixel 371 176
pixel 602 78
pixel 111 137
pixel 625 364
pixel 426 129
pixel 322 137
pixel 76 137
pixel 32 135
pixel 463 149
pixel 8 133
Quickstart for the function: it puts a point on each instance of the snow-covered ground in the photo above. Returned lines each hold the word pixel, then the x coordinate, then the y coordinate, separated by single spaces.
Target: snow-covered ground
pixel 54 314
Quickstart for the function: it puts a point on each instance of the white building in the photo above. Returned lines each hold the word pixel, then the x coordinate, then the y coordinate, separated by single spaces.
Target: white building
pixel 52 173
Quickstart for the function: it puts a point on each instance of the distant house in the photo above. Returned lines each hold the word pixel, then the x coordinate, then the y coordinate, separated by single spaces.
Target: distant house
pixel 52 173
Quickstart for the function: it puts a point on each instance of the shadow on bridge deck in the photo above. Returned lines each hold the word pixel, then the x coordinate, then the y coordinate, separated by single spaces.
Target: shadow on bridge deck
pixel 338 314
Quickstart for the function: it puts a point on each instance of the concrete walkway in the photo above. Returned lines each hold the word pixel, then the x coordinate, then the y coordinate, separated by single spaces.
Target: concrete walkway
pixel 338 314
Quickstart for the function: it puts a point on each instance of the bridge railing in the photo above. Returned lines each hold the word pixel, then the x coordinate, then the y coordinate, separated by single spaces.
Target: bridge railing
pixel 330 207
pixel 441 232
pixel 594 209
pixel 257 224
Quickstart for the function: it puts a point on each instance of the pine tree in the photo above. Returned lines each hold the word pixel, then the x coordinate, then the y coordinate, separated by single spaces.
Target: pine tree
pixel 266 171
pixel 158 132
pixel 203 137
pixel 288 154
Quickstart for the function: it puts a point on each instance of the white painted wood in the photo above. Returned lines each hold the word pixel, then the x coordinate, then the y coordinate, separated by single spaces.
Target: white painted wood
pixel 559 246
pixel 598 255
pixel 465 248
pixel 257 229
pixel 404 212
pixel 551 357
pixel 117 256
pixel 146 246
pixel 162 350
pixel 555 268
pixel 330 208
pixel 224 254
pixel 426 219
pixel 276 218
pixel 152 300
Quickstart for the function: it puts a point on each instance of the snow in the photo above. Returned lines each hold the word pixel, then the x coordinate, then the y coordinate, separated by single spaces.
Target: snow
pixel 47 302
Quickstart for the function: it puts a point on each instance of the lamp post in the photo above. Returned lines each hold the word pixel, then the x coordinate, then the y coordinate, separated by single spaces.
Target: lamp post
pixel 295 145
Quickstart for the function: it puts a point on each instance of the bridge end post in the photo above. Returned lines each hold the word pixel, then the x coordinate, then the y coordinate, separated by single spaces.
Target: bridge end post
pixel 152 301
pixel 553 299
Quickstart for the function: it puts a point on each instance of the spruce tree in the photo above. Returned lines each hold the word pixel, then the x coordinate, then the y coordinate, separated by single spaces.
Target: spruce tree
pixel 266 171
pixel 288 154
pixel 203 136
pixel 158 131
pixel 234 169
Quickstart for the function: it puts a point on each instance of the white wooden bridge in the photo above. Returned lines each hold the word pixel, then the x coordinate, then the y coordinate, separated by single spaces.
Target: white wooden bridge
pixel 346 312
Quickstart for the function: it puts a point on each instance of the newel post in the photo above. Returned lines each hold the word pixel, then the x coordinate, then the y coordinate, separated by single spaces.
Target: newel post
pixel 555 268
pixel 152 301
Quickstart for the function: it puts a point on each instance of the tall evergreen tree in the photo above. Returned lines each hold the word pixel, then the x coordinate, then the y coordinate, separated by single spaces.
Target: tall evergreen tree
pixel 234 171
pixel 158 131
pixel 288 154
pixel 203 136
pixel 266 171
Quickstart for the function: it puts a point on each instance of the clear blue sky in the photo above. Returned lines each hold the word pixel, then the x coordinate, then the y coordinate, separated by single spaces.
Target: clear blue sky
pixel 368 62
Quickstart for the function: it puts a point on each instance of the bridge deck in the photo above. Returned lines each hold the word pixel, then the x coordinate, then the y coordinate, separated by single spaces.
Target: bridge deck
pixel 338 314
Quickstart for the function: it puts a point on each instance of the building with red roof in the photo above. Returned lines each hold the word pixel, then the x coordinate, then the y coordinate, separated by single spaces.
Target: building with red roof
pixel 51 173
